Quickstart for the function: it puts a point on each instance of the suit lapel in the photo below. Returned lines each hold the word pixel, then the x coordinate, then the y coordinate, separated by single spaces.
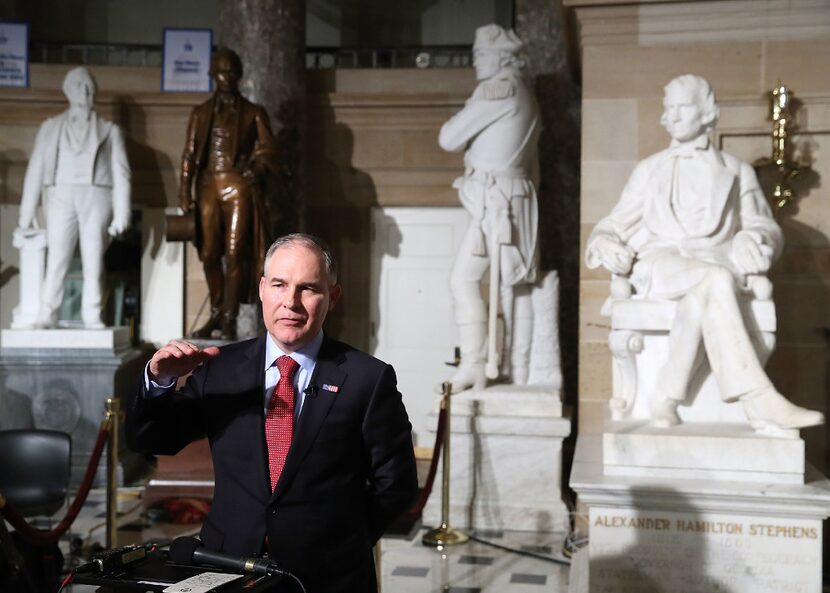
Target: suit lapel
pixel 327 372
pixel 722 182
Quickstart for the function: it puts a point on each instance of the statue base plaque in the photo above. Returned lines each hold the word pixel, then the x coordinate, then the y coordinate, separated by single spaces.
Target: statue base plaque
pixel 505 460
pixel 687 535
pixel 60 379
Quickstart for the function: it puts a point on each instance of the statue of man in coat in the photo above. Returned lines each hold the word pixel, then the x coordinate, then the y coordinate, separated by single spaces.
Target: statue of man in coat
pixel 79 169
pixel 692 225
pixel 499 129
pixel 228 157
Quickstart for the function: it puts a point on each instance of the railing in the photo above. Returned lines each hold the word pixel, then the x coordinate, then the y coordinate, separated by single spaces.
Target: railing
pixel 317 58
pixel 95 54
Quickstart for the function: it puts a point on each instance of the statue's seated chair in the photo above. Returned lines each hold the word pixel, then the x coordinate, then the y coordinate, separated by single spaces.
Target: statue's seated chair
pixel 639 343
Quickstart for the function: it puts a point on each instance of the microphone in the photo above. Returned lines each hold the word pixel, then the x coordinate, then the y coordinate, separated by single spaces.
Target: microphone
pixel 189 550
pixel 310 391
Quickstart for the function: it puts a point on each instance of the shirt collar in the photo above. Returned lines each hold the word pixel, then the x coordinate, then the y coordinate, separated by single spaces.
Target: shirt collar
pixel 306 356
pixel 77 115
pixel 699 143
pixel 225 100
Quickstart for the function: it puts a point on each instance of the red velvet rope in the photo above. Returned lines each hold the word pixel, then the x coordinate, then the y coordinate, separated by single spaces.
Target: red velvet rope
pixel 39 536
pixel 433 464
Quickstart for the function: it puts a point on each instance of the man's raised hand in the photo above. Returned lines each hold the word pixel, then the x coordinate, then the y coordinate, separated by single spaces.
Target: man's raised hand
pixel 176 359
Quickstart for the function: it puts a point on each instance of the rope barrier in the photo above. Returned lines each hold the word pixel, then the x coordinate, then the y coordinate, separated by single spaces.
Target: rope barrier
pixel 39 536
pixel 433 465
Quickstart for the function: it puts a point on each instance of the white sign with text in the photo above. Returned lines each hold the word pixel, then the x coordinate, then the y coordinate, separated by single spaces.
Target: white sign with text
pixel 186 62
pixel 14 55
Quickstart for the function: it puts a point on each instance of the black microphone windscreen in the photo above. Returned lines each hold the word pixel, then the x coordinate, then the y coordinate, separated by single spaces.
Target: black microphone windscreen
pixel 182 548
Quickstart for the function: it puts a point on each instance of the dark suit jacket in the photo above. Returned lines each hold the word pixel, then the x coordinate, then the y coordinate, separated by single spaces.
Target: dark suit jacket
pixel 349 472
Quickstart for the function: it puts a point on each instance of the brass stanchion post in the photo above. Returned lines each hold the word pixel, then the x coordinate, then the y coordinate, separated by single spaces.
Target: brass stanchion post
pixel 445 535
pixel 113 417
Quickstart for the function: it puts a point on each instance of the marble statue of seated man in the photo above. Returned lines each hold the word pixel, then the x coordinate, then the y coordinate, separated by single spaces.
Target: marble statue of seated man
pixel 691 225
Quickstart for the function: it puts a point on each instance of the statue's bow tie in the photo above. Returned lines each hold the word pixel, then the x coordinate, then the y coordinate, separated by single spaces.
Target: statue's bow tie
pixel 685 151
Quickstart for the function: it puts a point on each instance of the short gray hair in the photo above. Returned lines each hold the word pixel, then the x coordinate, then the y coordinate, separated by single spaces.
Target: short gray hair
pixel 312 242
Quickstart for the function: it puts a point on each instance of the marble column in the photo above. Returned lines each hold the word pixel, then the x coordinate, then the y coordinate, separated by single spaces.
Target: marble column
pixel 540 25
pixel 269 36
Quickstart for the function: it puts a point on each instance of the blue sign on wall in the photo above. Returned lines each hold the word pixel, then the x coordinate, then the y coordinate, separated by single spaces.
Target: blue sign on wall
pixel 186 63
pixel 14 54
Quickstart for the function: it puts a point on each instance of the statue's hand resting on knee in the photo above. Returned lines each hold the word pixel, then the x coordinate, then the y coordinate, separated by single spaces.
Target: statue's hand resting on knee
pixel 749 255
pixel 613 254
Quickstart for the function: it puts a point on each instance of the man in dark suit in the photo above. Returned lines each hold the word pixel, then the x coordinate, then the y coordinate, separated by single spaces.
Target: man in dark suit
pixel 228 156
pixel 324 501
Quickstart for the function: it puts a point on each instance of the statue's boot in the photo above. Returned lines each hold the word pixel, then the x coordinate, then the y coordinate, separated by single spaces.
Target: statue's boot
pixel 231 301
pixel 214 322
pixel 470 373
pixel 45 319
pixel 229 327
pixel 664 412
pixel 92 319
pixel 766 408
pixel 519 373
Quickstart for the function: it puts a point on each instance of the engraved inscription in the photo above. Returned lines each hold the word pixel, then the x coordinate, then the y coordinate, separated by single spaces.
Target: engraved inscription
pixel 641 552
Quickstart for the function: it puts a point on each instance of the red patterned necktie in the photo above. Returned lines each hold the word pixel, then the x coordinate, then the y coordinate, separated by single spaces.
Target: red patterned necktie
pixel 279 420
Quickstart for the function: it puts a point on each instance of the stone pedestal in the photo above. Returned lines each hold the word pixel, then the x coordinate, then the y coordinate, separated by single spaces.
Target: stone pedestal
pixel 59 379
pixel 32 246
pixel 506 460
pixel 697 450
pixel 693 535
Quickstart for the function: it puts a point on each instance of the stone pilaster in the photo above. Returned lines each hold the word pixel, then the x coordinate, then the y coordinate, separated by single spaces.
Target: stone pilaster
pixel 540 25
pixel 269 36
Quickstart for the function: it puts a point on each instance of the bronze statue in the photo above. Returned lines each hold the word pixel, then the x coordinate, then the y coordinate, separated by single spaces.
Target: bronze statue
pixel 228 157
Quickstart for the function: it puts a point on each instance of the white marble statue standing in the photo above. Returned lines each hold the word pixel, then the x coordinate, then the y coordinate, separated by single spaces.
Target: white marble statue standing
pixel 692 225
pixel 79 170
pixel 498 127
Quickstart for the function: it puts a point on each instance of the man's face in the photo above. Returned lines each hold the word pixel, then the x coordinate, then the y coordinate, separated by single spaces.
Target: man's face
pixel 487 63
pixel 683 115
pixel 223 72
pixel 81 94
pixel 296 296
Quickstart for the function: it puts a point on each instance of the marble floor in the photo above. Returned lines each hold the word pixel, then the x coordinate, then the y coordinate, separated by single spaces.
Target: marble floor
pixel 493 561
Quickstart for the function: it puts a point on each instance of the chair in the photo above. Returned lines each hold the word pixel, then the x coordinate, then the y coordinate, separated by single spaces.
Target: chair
pixel 34 470
pixel 639 344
